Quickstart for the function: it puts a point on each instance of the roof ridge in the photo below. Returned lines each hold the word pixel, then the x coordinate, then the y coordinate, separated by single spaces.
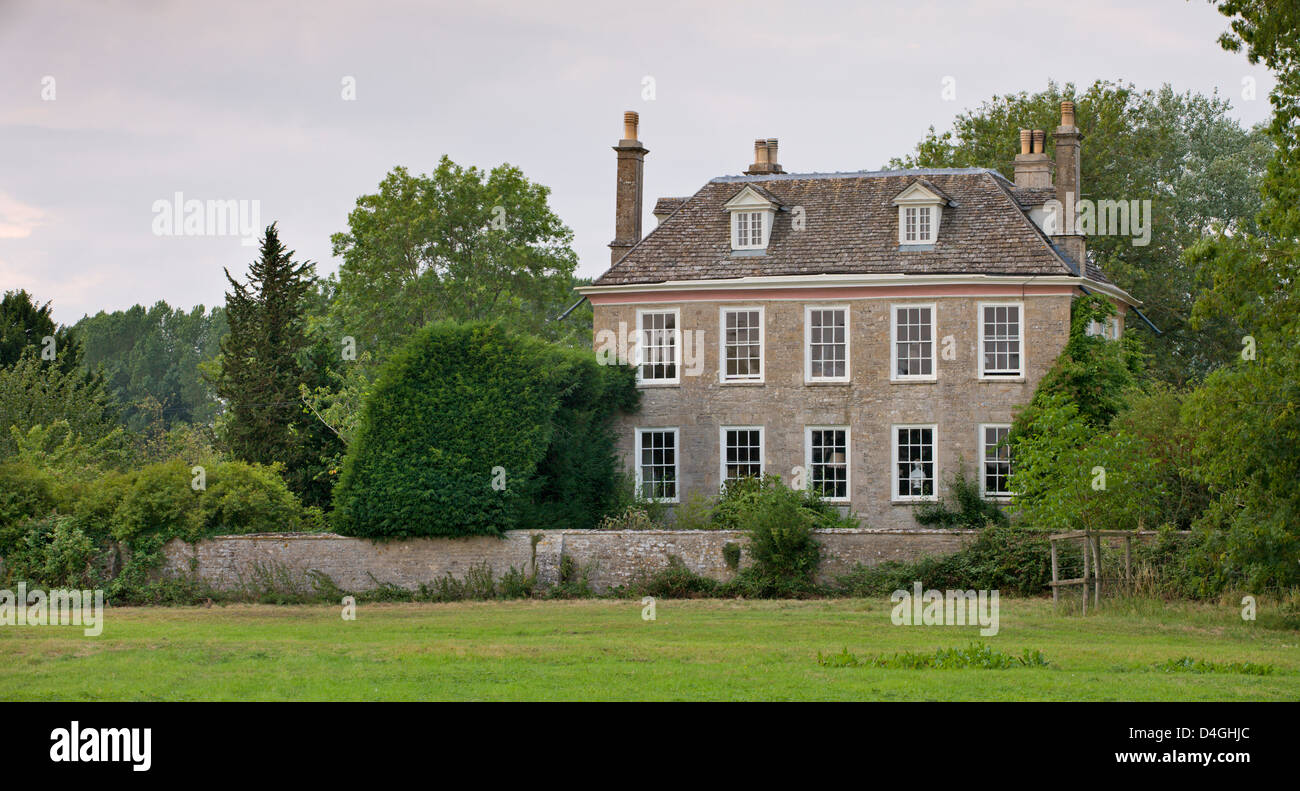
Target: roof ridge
pixel 847 174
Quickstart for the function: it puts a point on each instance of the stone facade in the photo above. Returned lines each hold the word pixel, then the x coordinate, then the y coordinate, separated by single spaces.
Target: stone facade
pixel 956 402
pixel 610 557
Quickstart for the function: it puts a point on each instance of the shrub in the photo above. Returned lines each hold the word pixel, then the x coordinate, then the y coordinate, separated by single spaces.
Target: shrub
pixel 969 507
pixel 781 544
pixel 675 581
pixel 742 497
pixel 159 501
pixel 696 513
pixel 630 518
pixel 731 555
pixel 1005 558
pixel 56 553
pixel 25 492
pixel 99 501
pixel 247 498
pixel 458 402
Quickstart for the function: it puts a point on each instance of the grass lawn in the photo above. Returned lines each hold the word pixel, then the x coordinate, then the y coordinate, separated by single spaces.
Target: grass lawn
pixel 603 650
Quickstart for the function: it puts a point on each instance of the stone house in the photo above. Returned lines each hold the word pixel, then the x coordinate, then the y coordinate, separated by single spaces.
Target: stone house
pixel 865 334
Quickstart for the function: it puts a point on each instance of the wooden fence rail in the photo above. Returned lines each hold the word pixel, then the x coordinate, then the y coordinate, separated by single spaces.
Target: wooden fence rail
pixel 1092 571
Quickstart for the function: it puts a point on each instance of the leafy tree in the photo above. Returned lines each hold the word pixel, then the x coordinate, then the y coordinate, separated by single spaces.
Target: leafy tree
pixel 150 361
pixel 1247 414
pixel 1199 168
pixel 265 361
pixel 459 243
pixel 35 393
pixel 24 326
pixel 1091 450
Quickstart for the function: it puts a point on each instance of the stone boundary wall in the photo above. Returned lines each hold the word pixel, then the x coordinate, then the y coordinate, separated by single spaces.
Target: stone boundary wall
pixel 609 557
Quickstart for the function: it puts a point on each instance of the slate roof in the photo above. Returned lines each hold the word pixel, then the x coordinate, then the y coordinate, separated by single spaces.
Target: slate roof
pixel 851 228
pixel 668 205
pixel 1033 196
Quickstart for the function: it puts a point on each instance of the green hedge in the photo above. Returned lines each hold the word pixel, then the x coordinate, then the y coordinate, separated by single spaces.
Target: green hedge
pixel 459 401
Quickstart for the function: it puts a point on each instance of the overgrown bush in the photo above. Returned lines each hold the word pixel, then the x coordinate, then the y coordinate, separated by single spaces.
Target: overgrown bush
pixel 25 492
pixel 136 512
pixel 56 553
pixel 248 498
pixel 785 554
pixel 675 581
pixel 745 496
pixel 1009 559
pixel 473 430
pixel 967 508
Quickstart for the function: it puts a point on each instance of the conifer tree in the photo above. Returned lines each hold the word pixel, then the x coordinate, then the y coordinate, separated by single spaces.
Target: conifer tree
pixel 262 368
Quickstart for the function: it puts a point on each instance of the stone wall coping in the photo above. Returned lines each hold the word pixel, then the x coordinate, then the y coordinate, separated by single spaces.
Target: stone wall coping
pixel 895 531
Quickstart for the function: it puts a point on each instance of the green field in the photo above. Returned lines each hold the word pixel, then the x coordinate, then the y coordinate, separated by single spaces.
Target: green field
pixel 603 650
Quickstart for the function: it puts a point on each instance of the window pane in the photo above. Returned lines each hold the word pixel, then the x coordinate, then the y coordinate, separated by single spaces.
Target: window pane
pixel 743 346
pixel 828 348
pixel 742 452
pixel 658 346
pixel 914 450
pixel 658 464
pixel 1002 340
pixel 997 460
pixel 914 349
pixel 829 462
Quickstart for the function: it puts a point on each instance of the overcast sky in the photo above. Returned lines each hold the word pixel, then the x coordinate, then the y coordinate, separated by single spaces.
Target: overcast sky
pixel 107 107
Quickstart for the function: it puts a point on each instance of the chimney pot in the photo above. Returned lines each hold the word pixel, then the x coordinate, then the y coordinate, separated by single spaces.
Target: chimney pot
pixel 1067 113
pixel 765 157
pixel 772 158
pixel 630 120
pixel 1032 167
pixel 1039 141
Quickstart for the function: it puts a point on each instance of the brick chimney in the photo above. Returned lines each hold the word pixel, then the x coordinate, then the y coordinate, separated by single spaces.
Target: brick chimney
pixel 627 202
pixel 1033 168
pixel 765 158
pixel 1068 187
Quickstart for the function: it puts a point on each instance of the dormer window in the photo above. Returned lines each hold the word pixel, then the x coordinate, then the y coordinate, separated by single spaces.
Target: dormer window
pixel 747 230
pixel 753 210
pixel 917 225
pixel 920 208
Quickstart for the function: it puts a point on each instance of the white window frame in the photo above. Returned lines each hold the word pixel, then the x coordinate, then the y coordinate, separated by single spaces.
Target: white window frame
pixel 894 496
pixel 677 463
pixel 808 378
pixel 984 374
pixel 722 451
pixel 983 459
pixel 765 229
pixel 933 209
pixel 722 344
pixel 894 375
pixel 677 346
pixel 848 461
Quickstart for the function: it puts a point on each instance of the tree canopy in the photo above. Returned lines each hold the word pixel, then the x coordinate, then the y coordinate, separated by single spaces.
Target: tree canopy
pixel 458 243
pixel 150 359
